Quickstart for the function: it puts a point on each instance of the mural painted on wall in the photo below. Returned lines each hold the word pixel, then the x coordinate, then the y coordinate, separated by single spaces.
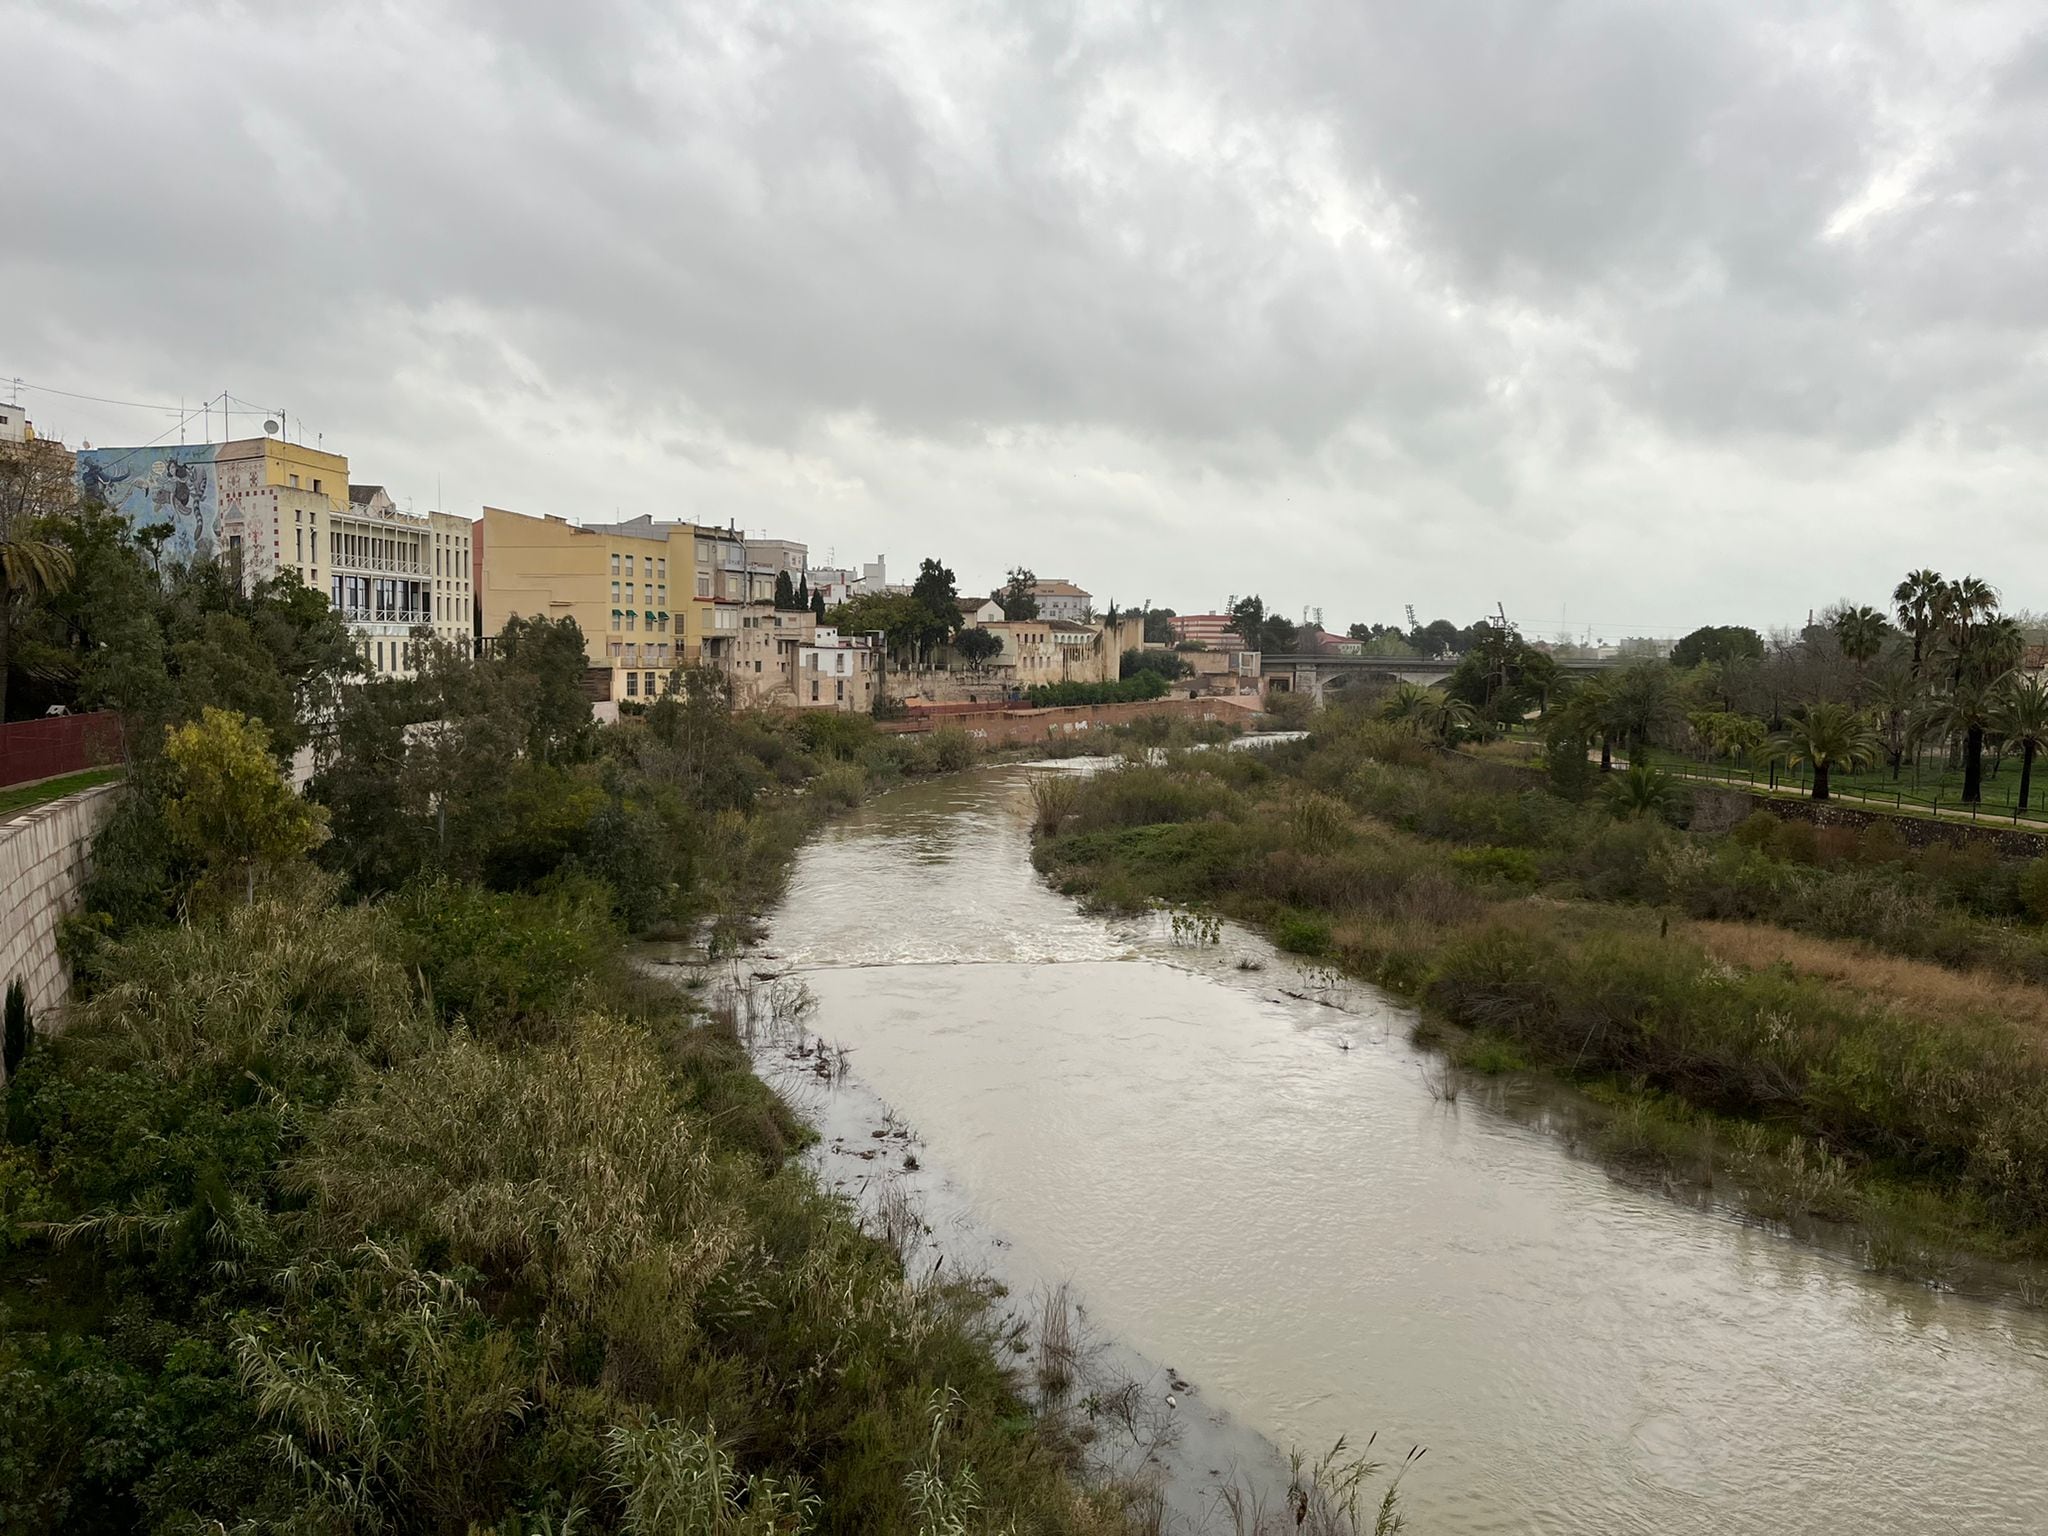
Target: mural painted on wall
pixel 152 486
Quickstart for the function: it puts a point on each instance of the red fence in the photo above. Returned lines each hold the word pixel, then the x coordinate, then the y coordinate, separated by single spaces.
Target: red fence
pixel 42 749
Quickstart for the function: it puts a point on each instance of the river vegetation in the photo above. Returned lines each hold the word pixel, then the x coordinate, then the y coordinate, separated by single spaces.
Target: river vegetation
pixel 1832 1022
pixel 369 1188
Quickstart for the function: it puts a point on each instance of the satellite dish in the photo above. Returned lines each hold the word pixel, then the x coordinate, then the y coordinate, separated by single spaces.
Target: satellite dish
pixel 270 428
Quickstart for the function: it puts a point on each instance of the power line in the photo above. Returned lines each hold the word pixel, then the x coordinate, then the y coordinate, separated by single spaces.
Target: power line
pixel 69 394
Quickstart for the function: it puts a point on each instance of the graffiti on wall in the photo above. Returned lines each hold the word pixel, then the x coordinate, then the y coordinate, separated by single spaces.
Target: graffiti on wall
pixel 150 487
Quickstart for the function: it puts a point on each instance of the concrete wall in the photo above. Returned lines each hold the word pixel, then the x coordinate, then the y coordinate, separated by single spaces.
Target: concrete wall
pixel 43 855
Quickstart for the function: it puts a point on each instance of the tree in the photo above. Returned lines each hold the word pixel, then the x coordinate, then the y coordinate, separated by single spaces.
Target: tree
pixel 1895 709
pixel 935 594
pixel 817 602
pixel 1829 736
pixel 1919 601
pixel 227 805
pixel 1861 631
pixel 1159 626
pixel 35 491
pixel 1248 619
pixel 785 591
pixel 1016 595
pixel 1641 790
pixel 1721 643
pixel 1426 711
pixel 977 647
pixel 544 662
pixel 2019 713
pixel 1166 663
pixel 1639 703
pixel 804 595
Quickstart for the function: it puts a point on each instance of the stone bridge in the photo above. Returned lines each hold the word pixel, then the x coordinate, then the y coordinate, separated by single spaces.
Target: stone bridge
pixel 1318 675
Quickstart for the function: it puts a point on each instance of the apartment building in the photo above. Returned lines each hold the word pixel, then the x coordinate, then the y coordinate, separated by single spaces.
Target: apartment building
pixel 614 579
pixel 1059 599
pixel 271 506
pixel 649 596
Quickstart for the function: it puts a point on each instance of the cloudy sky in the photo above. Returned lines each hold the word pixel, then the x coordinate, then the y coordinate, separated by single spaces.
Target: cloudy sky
pixel 1626 315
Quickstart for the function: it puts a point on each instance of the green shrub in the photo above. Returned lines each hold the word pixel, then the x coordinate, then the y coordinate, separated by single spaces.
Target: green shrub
pixel 2033 890
pixel 502 961
pixel 1133 689
pixel 1302 933
pixel 1756 829
pixel 1796 842
pixel 1506 866
pixel 953 749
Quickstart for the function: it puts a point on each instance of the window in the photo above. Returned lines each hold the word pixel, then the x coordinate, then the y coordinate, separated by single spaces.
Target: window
pixel 630 616
pixel 629 565
pixel 632 685
pixel 295 482
pixel 615 592
pixel 648 686
pixel 299 537
pixel 841 686
pixel 380 655
pixel 615 649
pixel 615 563
pixel 661 569
pixel 629 588
pixel 316 482
pixel 814 690
pixel 703 584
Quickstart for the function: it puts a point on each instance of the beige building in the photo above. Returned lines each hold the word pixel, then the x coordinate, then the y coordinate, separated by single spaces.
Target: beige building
pixel 767 653
pixel 649 596
pixel 1041 651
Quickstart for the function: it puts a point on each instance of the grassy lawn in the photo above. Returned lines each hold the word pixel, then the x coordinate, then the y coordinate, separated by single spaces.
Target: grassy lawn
pixel 1933 781
pixel 23 796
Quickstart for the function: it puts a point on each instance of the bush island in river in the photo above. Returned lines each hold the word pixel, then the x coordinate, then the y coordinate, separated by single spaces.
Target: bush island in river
pixel 1542 927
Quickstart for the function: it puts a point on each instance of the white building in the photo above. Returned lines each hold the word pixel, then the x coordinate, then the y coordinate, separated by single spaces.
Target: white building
pixel 1063 600
pixel 836 671
pixel 13 424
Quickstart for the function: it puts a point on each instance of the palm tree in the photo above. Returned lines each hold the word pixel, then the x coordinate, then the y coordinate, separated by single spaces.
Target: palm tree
pixel 1860 632
pixel 1405 705
pixel 32 564
pixel 1830 736
pixel 1919 599
pixel 2019 713
pixel 1641 790
pixel 1585 714
pixel 1965 711
pixel 1426 711
pixel 1640 703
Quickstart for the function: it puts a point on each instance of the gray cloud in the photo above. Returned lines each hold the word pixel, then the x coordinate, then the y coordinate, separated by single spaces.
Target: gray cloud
pixel 1583 306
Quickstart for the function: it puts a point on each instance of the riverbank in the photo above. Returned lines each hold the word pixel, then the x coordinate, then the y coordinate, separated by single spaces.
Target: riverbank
pixel 1540 935
pixel 424 1210
pixel 1235 1158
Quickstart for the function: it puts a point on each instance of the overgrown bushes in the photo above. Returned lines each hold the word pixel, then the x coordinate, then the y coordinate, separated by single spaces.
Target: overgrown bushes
pixel 1419 874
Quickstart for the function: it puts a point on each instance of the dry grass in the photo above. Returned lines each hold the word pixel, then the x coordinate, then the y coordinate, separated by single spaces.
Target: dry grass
pixel 1915 986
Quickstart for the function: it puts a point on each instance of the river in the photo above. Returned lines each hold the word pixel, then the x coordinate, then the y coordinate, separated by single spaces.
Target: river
pixel 1250 1179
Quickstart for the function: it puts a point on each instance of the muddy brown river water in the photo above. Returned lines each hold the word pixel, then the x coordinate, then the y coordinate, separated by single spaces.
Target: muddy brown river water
pixel 1263 1190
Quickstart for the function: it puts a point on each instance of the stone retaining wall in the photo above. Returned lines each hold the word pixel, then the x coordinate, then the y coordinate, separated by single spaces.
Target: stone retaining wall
pixel 43 854
pixel 1719 810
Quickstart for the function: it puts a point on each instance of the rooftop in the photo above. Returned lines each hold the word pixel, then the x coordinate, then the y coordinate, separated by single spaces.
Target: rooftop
pixel 1057 587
